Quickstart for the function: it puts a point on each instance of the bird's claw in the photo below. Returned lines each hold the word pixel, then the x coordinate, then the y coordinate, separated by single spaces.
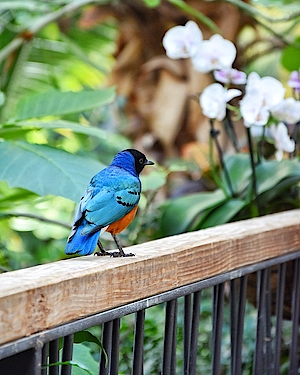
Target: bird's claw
pixel 117 254
pixel 101 254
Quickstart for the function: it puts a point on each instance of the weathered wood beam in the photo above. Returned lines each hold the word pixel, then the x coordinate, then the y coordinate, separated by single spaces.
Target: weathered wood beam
pixel 45 296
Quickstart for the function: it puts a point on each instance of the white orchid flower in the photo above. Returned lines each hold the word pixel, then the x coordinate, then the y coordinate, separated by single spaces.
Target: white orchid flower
pixel 214 98
pixel 283 142
pixel 183 41
pixel 262 94
pixel 288 111
pixel 215 53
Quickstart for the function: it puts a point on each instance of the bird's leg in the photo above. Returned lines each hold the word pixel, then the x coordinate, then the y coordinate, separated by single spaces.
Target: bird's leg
pixel 102 251
pixel 121 251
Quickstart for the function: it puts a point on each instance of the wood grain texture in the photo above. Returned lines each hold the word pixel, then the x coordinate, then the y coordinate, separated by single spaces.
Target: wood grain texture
pixel 45 296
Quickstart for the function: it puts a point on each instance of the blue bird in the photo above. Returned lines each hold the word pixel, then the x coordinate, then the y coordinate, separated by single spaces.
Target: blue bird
pixel 109 204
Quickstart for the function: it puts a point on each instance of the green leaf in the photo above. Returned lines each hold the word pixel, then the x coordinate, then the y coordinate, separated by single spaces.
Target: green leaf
pixel 291 57
pixel 154 180
pixel 270 173
pixel 224 213
pixel 179 213
pixel 83 358
pixel 55 103
pixel 152 3
pixel 45 170
pixel 239 170
pixel 86 336
pixel 280 189
pixel 25 126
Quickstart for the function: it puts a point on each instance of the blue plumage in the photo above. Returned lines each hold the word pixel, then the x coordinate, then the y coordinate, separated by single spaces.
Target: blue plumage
pixel 112 194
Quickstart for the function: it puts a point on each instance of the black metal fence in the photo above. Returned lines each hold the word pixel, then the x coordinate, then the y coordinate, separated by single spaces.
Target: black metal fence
pixel 271 289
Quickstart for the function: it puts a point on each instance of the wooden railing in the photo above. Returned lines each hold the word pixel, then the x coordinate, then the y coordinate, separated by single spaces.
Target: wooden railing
pixel 39 298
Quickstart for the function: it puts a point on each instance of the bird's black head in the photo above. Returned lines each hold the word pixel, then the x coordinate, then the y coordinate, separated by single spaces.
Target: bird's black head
pixel 140 160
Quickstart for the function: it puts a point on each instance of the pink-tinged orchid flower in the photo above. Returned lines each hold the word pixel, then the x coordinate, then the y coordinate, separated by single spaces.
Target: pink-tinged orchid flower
pixel 294 81
pixel 283 142
pixel 230 75
pixel 183 41
pixel 215 53
pixel 214 98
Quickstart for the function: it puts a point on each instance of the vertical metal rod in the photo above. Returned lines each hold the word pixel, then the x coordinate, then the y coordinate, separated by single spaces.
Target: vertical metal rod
pixel 279 309
pixel 53 356
pixel 187 326
pixel 174 339
pixel 217 328
pixel 194 333
pixel 169 335
pixel 67 354
pixel 107 344
pixel 293 368
pixel 268 325
pixel 36 360
pixel 45 352
pixel 115 347
pixel 138 350
pixel 258 366
pixel 240 325
pixel 233 325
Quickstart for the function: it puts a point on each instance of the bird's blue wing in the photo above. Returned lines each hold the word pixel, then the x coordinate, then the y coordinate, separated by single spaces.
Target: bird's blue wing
pixel 117 197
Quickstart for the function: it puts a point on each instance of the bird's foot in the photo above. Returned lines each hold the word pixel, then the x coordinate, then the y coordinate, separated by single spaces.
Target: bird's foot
pixel 117 254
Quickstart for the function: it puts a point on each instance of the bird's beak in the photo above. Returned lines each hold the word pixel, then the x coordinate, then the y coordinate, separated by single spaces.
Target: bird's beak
pixel 149 162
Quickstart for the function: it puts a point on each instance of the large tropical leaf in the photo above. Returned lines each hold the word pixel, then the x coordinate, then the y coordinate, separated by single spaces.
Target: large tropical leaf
pixel 270 173
pixel 55 103
pixel 224 213
pixel 239 170
pixel 45 170
pixel 179 213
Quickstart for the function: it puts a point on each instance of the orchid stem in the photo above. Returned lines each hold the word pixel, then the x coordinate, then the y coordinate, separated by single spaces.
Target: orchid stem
pixel 214 135
pixel 254 181
pixel 229 128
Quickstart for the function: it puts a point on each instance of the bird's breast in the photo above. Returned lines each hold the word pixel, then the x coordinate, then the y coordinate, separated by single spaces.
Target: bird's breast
pixel 119 225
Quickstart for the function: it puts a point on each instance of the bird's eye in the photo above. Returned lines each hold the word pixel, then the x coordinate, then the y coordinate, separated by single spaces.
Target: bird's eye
pixel 141 161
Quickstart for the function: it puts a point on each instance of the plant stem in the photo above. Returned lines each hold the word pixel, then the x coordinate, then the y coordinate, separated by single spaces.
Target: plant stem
pixel 214 135
pixel 254 181
pixel 229 128
pixel 260 146
pixel 7 215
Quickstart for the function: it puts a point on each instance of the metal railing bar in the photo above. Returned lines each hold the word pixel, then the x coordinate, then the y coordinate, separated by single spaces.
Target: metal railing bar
pixel 25 343
pixel 218 309
pixel 268 324
pixel 107 347
pixel 138 348
pixel 67 353
pixel 36 360
pixel 294 347
pixel 187 327
pixel 45 351
pixel 279 317
pixel 194 333
pixel 258 367
pixel 53 356
pixel 233 325
pixel 170 325
pixel 114 368
pixel 240 324
pixel 174 340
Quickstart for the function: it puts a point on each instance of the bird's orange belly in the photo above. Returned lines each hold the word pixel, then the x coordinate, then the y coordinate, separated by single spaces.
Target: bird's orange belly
pixel 123 223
